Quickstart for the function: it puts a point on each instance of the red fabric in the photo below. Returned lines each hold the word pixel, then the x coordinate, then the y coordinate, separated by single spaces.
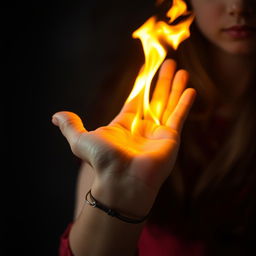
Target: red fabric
pixel 64 249
pixel 153 242
pixel 156 241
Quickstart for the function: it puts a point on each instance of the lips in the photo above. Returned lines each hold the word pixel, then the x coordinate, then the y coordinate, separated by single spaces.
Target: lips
pixel 240 31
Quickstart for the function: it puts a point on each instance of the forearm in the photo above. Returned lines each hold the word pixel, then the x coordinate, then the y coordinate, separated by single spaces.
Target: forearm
pixel 95 233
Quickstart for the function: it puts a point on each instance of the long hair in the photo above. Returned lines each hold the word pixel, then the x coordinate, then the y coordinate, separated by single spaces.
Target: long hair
pixel 216 163
pixel 237 148
pixel 212 169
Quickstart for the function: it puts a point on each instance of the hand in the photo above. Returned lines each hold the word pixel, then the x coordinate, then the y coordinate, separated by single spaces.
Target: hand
pixel 142 160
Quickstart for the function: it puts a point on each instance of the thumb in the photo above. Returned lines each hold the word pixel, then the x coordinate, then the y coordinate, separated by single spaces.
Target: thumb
pixel 70 125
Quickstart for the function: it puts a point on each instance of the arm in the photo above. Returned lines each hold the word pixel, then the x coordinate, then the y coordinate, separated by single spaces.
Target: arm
pixel 124 170
pixel 90 221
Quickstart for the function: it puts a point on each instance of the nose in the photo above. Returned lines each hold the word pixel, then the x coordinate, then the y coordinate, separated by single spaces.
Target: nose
pixel 240 7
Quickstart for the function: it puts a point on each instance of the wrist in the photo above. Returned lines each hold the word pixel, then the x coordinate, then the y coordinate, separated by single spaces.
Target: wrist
pixel 119 215
pixel 129 200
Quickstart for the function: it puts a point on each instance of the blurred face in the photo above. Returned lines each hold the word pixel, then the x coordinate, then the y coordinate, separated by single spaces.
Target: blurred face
pixel 228 24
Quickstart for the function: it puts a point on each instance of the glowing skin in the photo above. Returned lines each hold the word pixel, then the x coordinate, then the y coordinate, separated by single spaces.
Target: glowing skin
pixel 126 169
pixel 228 24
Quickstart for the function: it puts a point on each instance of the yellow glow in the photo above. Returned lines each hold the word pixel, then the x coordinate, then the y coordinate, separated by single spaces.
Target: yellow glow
pixel 153 34
pixel 178 8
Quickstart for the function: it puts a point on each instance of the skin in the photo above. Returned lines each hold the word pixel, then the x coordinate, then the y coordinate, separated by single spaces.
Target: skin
pixel 125 171
pixel 214 16
pixel 232 62
pixel 121 163
pixel 142 160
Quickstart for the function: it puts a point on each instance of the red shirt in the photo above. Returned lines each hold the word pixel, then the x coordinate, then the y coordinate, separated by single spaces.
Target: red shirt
pixel 158 241
pixel 152 242
pixel 64 249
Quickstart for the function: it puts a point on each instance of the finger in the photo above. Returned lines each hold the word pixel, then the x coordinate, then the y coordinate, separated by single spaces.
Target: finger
pixel 70 125
pixel 127 114
pixel 126 120
pixel 179 115
pixel 162 89
pixel 133 105
pixel 179 84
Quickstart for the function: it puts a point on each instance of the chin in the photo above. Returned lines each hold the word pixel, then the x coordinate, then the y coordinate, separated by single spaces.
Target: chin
pixel 239 48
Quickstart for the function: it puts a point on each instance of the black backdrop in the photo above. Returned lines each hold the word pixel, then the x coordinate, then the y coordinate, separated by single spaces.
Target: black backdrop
pixel 56 58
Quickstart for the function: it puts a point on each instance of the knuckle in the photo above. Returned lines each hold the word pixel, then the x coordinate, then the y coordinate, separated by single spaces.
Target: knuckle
pixel 67 125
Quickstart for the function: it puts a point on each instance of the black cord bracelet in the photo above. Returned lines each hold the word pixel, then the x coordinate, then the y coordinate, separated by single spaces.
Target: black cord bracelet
pixel 111 212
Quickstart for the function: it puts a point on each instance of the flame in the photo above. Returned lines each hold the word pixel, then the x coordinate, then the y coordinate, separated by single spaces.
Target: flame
pixel 153 34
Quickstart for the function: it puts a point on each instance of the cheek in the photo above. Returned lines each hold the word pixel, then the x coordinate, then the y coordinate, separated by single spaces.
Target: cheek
pixel 207 20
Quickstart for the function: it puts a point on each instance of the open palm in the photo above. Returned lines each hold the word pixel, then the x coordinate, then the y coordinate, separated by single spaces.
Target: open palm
pixel 146 155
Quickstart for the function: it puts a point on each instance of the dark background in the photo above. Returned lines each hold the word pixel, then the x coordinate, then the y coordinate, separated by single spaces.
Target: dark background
pixel 63 57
